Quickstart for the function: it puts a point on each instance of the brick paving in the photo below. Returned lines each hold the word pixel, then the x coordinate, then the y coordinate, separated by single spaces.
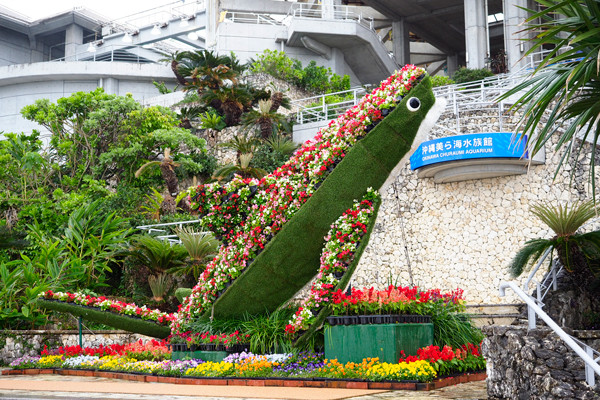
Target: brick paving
pixel 56 387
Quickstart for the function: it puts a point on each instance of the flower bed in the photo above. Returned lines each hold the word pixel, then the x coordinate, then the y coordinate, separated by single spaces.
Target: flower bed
pixel 306 365
pixel 280 195
pixel 114 306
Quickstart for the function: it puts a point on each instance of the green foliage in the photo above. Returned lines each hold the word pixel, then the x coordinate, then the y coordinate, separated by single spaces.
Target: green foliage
pixel 162 87
pixel 576 252
pixel 565 87
pixel 159 285
pixel 212 120
pixel 201 248
pixel 81 256
pixel 267 331
pixel 313 77
pixel 291 258
pixel 464 75
pixel 453 328
pixel 273 153
pixel 157 255
pixel 440 80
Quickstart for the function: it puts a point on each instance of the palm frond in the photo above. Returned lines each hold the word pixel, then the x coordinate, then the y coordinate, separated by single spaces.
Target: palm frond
pixel 565 87
pixel 565 220
pixel 528 255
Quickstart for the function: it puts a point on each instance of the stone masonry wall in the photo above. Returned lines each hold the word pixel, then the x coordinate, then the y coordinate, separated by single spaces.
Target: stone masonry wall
pixel 464 234
pixel 15 344
pixel 532 365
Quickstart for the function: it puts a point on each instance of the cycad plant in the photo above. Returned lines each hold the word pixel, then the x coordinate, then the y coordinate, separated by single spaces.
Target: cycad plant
pixel 201 248
pixel 167 169
pixel 263 118
pixel 567 82
pixel 578 252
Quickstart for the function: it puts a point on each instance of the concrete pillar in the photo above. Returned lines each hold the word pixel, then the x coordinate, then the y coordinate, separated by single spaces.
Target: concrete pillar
pixel 515 47
pixel 110 85
pixel 475 33
pixel 73 38
pixel 401 42
pixel 212 19
pixel 451 64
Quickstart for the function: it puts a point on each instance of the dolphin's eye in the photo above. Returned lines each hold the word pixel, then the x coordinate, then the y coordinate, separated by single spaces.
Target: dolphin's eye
pixel 413 104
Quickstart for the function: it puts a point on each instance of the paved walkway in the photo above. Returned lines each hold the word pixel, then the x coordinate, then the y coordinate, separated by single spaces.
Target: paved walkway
pixel 57 387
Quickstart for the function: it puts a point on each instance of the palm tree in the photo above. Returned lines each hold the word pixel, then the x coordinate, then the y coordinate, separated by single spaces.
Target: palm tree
pixel 567 82
pixel 167 170
pixel 266 120
pixel 578 252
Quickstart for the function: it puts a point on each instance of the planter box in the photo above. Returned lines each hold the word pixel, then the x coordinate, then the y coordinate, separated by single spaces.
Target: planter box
pixel 355 342
pixel 215 356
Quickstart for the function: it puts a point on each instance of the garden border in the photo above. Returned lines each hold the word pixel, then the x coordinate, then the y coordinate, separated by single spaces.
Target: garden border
pixel 327 383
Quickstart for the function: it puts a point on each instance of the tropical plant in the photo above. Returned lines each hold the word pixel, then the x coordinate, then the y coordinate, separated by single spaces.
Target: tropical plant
pixel 167 169
pixel 464 75
pixel 158 255
pixel 242 144
pixel 263 118
pixel 281 144
pixel 242 168
pixel 187 114
pixel 152 209
pixel 230 101
pixel 440 80
pixel 578 252
pixel 159 285
pixel 564 90
pixel 201 247
pixel 212 120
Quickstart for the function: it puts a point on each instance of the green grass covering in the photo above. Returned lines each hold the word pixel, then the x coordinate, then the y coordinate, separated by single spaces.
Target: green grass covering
pixel 325 312
pixel 130 324
pixel 291 259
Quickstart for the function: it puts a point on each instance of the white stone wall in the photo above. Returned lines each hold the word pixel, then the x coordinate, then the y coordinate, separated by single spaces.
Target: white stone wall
pixel 464 234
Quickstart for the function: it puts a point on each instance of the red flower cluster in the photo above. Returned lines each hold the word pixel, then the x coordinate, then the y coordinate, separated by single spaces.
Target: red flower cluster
pixel 393 300
pixel 152 345
pixel 448 360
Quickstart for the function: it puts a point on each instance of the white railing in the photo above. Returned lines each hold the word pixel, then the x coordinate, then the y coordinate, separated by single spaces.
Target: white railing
pixel 326 111
pixel 331 12
pixel 584 351
pixel 251 18
pixel 157 228
pixel 157 15
pixel 134 54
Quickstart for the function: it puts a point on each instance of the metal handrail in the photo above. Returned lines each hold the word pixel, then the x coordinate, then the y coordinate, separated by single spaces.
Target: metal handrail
pixel 331 12
pixel 251 18
pixel 325 111
pixel 587 354
pixel 152 228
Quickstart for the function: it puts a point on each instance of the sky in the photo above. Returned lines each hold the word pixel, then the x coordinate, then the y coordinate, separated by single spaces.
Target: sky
pixel 113 9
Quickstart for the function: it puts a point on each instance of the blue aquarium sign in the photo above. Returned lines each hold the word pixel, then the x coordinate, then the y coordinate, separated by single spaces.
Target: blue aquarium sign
pixel 465 147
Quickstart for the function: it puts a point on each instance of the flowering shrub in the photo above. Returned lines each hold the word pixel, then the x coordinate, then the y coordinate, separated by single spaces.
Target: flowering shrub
pixel 448 360
pixel 115 306
pixel 280 195
pixel 395 300
pixel 341 244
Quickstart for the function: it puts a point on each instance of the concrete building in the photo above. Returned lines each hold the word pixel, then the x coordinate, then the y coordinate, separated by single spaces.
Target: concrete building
pixel 80 50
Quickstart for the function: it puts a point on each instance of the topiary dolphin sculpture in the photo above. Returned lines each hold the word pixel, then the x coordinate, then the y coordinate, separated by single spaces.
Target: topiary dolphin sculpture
pixel 273 229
